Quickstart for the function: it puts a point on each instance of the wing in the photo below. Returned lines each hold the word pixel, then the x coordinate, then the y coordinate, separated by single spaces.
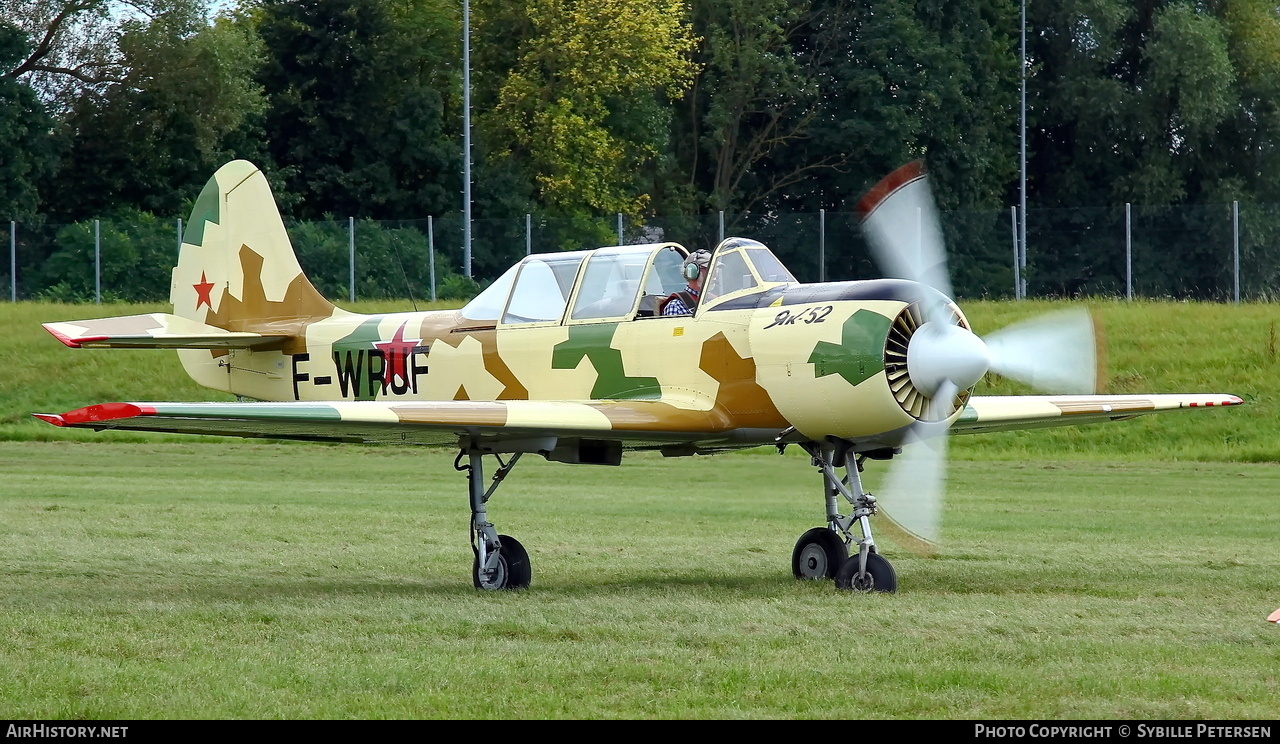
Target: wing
pixel 503 426
pixel 1008 412
pixel 155 331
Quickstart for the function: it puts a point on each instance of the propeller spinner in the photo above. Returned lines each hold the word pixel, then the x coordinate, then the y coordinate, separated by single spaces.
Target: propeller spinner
pixel 1052 353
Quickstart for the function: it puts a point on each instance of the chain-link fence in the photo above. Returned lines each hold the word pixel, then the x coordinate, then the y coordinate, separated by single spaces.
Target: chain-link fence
pixel 1220 252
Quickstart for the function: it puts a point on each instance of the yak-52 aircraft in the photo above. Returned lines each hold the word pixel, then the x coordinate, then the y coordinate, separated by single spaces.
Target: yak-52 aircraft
pixel 567 355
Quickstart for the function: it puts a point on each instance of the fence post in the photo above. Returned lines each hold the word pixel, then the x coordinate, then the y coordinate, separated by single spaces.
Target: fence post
pixel 619 228
pixel 1235 242
pixel 351 262
pixel 13 260
pixel 1017 276
pixel 97 262
pixel 431 254
pixel 1128 251
pixel 528 234
pixel 1022 246
pixel 822 245
pixel 721 226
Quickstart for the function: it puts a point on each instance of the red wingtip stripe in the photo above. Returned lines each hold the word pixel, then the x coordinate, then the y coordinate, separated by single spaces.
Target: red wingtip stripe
pixel 1230 401
pixel 104 412
pixel 889 184
pixel 75 342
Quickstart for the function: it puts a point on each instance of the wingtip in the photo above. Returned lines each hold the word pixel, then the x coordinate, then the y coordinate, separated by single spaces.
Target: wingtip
pixel 94 414
pixel 1221 402
pixel 72 342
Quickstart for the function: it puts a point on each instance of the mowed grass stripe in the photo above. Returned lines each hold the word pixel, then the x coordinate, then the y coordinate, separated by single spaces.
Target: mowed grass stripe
pixel 265 581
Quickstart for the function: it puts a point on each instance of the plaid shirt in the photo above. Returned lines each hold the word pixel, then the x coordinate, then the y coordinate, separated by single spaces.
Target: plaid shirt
pixel 677 307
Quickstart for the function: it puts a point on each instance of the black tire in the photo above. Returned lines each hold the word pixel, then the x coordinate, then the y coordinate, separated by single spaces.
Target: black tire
pixel 880 576
pixel 514 571
pixel 819 554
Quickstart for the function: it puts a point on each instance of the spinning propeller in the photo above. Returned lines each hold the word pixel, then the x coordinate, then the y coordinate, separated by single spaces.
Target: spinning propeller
pixel 1053 353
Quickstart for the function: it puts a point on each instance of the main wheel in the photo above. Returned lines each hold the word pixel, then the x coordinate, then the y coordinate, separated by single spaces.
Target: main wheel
pixel 819 553
pixel 514 571
pixel 879 577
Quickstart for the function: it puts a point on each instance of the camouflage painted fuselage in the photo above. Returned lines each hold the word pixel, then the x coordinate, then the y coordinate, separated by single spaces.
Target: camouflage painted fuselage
pixel 809 357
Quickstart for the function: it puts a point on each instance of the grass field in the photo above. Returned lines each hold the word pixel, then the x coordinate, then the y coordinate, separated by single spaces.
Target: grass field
pixel 1116 572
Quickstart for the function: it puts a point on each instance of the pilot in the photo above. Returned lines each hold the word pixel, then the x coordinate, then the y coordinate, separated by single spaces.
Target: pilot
pixel 695 272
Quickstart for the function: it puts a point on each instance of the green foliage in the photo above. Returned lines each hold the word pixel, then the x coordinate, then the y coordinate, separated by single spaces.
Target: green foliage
pixel 1153 104
pixel 151 140
pixel 391 261
pixel 1149 86
pixel 766 109
pixel 583 101
pixel 458 287
pixel 358 99
pixel 755 91
pixel 26 150
pixel 138 252
pixel 803 104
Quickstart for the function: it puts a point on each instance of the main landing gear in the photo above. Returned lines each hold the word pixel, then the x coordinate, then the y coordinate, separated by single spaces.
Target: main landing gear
pixel 824 552
pixel 501 562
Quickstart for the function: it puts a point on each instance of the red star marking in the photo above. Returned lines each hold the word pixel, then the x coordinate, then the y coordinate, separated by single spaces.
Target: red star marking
pixel 397 352
pixel 202 292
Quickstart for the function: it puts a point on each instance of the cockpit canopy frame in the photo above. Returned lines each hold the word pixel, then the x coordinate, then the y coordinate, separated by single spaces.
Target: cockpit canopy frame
pixel 619 283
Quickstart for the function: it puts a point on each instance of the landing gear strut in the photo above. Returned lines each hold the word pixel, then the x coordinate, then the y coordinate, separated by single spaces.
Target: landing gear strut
pixel 833 552
pixel 501 562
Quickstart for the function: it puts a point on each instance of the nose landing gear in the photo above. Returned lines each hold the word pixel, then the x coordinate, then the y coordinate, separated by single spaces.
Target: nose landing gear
pixel 824 552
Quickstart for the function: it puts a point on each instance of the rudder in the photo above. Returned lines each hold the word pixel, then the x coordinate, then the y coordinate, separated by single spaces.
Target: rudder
pixel 237 269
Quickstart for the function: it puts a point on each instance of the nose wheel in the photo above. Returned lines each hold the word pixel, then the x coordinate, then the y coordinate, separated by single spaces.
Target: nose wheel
pixel 876 576
pixel 819 554
pixel 824 552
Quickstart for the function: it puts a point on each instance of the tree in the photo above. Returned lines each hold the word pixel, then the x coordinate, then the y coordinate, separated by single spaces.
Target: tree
pixel 582 97
pixel 181 110
pixel 756 91
pixel 359 103
pixel 75 49
pixel 803 104
pixel 25 143
pixel 1142 103
pixel 1128 98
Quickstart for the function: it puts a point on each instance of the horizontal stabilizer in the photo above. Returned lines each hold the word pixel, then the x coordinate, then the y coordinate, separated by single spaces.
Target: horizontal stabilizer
pixel 155 331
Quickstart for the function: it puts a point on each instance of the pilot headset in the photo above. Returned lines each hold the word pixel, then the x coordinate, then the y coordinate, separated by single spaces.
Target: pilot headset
pixel 694 264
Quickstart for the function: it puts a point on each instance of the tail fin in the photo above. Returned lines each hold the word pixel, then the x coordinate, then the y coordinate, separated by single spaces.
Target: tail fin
pixel 237 269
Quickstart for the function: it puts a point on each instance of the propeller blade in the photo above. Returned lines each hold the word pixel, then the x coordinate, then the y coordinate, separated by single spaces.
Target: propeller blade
pixel 1055 353
pixel 911 496
pixel 900 222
